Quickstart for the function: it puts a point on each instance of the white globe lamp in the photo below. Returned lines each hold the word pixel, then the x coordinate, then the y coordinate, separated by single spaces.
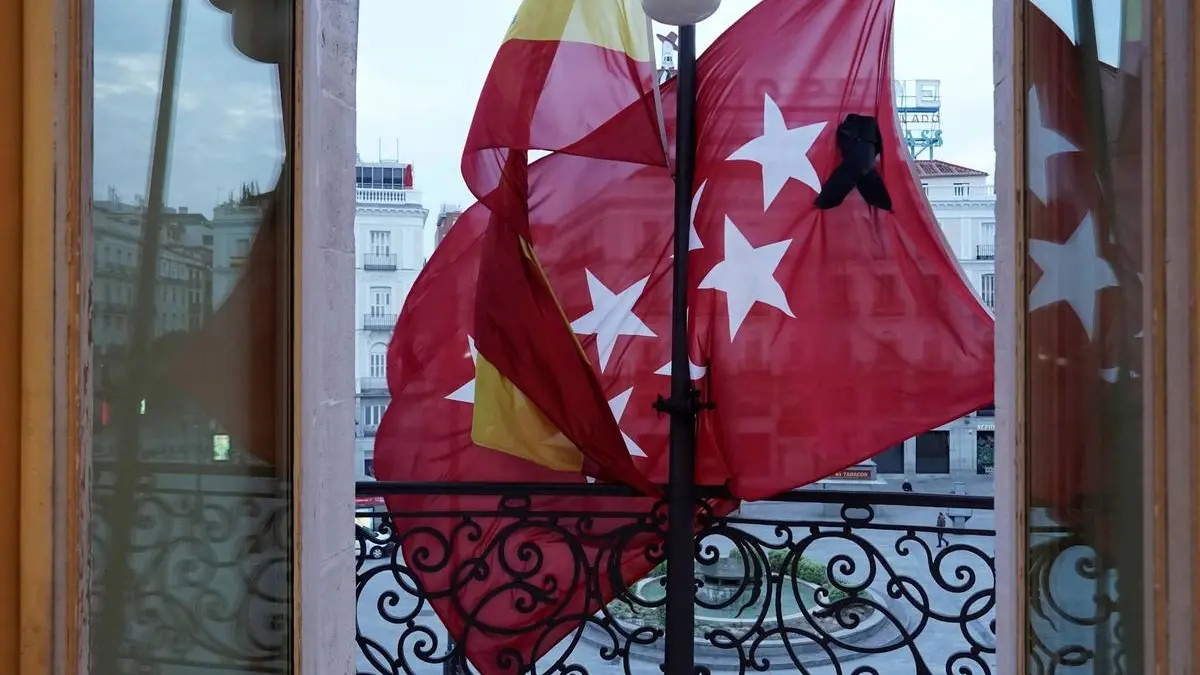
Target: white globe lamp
pixel 680 12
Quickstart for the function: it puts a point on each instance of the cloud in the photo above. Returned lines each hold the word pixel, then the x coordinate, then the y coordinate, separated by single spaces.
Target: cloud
pixel 227 123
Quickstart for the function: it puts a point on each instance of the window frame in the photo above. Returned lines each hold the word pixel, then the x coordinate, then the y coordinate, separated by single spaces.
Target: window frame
pixel 49 623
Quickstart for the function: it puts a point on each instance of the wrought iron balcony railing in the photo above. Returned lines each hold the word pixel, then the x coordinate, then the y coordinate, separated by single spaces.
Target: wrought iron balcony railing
pixel 379 321
pixel 372 386
pixel 191 569
pixel 985 251
pixel 380 262
pixel 815 581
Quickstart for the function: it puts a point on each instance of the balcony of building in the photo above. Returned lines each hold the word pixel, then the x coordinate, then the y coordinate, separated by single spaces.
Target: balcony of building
pixel 372 386
pixel 813 581
pixel 380 262
pixel 387 197
pixel 378 321
pixel 950 193
pixel 985 252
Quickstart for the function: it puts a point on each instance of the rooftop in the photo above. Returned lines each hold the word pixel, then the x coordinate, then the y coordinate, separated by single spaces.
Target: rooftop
pixel 933 168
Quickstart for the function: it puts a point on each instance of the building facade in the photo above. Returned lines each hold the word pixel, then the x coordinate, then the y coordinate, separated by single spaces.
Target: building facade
pixel 446 219
pixel 389 226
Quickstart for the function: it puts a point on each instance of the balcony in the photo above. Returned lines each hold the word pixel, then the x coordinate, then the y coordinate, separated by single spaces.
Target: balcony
pixel 870 590
pixel 985 252
pixel 381 322
pixel 380 196
pixel 865 588
pixel 379 262
pixel 372 386
pixel 959 193
pixel 201 566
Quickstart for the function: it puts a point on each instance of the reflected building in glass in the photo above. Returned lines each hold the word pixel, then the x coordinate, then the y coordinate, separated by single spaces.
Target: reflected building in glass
pixel 191 467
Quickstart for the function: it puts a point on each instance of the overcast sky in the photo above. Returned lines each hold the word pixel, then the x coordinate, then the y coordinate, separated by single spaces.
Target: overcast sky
pixel 421 66
pixel 418 86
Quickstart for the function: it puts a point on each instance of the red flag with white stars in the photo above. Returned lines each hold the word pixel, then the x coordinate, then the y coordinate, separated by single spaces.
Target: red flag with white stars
pixel 833 335
pixel 829 335
pixel 603 234
pixel 515 608
pixel 1084 286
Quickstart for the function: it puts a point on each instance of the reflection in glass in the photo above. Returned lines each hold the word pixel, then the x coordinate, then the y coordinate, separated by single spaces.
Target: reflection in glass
pixel 1084 413
pixel 190 320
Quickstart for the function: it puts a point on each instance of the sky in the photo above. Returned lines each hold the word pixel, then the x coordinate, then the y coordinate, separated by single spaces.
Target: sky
pixel 417 88
pixel 421 66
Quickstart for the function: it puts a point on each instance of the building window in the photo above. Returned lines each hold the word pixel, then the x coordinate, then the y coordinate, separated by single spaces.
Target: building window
pixel 381 177
pixel 373 415
pixel 381 300
pixel 378 363
pixel 241 248
pixel 961 189
pixel 369 467
pixel 988 289
pixel 381 242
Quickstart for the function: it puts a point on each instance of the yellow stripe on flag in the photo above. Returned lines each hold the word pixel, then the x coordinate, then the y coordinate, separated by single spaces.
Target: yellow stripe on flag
pixel 506 421
pixel 618 25
pixel 527 249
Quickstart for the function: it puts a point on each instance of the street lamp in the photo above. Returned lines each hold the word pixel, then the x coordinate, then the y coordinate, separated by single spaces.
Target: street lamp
pixel 680 12
pixel 684 402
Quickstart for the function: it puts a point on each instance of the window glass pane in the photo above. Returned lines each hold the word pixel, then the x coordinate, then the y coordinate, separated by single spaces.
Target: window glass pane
pixel 191 473
pixel 1084 160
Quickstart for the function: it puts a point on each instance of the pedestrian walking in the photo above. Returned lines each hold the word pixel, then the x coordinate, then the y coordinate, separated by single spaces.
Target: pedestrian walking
pixel 941 530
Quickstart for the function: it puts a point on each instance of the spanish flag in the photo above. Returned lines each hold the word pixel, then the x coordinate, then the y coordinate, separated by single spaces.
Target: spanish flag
pixel 565 68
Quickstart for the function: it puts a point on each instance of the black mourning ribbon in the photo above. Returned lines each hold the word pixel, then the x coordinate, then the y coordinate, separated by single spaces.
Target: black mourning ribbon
pixel 860 144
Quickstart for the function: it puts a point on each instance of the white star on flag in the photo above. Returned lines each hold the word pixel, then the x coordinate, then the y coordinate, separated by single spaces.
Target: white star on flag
pixel 747 276
pixel 782 152
pixel 1043 144
pixel 611 316
pixel 466 393
pixel 1072 273
pixel 617 405
pixel 693 236
pixel 697 372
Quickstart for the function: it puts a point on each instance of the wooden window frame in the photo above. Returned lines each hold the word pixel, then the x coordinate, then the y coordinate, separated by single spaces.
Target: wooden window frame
pixel 1171 404
pixel 55 348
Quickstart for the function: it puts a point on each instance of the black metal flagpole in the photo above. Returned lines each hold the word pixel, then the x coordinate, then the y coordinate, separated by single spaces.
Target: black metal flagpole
pixel 684 401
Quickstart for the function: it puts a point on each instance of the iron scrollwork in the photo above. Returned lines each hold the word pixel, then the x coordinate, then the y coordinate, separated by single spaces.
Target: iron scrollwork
pixel 209 553
pixel 814 582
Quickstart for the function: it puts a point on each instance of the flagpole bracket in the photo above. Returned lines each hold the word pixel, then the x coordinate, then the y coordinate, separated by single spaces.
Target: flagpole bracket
pixel 691 405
